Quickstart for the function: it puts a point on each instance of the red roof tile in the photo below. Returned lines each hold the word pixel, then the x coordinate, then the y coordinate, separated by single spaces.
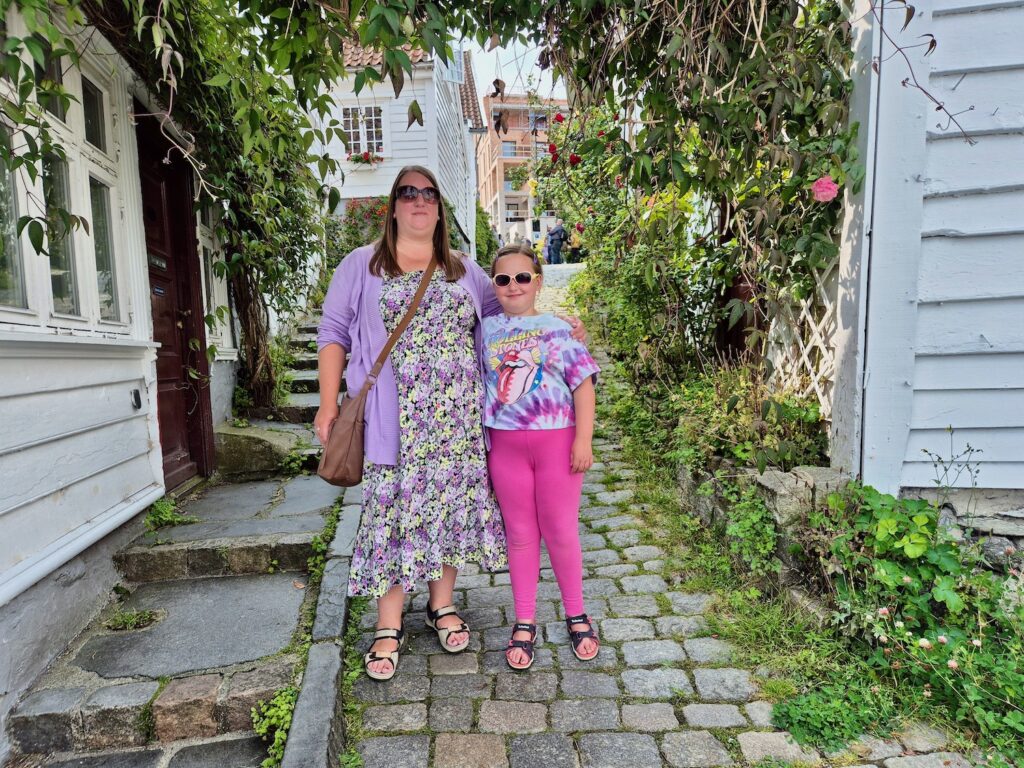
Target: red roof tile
pixel 467 92
pixel 357 56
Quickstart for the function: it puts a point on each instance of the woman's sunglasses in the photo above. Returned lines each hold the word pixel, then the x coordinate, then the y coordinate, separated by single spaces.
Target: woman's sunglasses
pixel 409 193
pixel 503 280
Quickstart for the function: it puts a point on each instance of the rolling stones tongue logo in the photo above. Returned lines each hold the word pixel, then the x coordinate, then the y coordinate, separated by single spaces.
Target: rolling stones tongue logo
pixel 518 364
pixel 517 375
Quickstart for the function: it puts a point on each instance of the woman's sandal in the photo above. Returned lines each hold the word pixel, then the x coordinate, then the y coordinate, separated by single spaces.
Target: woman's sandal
pixel 524 645
pixel 577 637
pixel 371 656
pixel 443 633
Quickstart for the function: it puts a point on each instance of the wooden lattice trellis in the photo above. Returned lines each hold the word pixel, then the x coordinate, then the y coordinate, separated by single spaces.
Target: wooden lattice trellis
pixel 801 341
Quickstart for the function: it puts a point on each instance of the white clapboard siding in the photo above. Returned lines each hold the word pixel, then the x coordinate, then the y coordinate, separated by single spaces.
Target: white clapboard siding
pixel 968 409
pixel 995 213
pixel 452 155
pixel 968 328
pixel 984 101
pixel 49 417
pixel 1007 443
pixel 990 165
pixel 991 474
pixel 939 372
pixel 82 456
pixel 978 40
pixel 971 267
pixel 989 325
pixel 43 525
pixel 73 447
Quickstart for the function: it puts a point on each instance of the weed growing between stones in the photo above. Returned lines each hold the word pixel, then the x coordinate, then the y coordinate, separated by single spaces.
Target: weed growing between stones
pixel 164 514
pixel 123 620
pixel 351 670
pixel 271 721
pixel 146 722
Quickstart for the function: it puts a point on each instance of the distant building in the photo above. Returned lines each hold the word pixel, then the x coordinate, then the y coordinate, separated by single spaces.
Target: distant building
pixel 375 121
pixel 510 206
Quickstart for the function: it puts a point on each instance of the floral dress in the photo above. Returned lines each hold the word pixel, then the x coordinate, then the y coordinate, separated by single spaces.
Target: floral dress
pixel 435 507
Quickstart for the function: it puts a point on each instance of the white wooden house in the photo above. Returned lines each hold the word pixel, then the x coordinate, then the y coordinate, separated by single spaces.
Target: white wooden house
pixel 930 306
pixel 376 121
pixel 97 415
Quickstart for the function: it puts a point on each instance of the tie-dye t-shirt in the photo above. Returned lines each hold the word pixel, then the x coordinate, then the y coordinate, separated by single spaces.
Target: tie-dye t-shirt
pixel 533 366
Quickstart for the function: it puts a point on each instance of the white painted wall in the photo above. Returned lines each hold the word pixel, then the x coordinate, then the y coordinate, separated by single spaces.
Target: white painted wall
pixel 440 143
pixel 944 343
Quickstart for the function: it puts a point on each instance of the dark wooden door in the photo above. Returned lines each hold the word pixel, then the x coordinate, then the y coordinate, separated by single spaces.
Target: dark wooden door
pixel 175 297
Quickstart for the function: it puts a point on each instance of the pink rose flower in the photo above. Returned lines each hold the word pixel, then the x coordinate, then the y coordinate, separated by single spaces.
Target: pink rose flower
pixel 952 664
pixel 824 189
pixel 883 611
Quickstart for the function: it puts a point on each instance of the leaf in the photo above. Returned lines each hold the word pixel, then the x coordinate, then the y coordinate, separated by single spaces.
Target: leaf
pixel 493 42
pixel 910 10
pixel 499 88
pixel 333 199
pixel 35 234
pixel 415 114
pixel 731 404
pixel 945 592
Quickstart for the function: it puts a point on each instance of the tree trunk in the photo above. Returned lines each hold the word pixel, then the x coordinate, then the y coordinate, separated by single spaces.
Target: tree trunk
pixel 255 337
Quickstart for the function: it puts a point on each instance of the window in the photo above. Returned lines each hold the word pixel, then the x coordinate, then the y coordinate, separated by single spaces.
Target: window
pixel 92 106
pixel 49 76
pixel 12 278
pixel 364 129
pixel 106 279
pixel 57 197
pixel 508 149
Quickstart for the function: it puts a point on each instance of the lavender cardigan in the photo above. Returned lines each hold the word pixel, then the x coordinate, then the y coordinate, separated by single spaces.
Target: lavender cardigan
pixel 352 319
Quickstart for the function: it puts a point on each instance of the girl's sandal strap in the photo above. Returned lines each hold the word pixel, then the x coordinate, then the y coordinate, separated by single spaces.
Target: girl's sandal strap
pixel 578 636
pixel 526 646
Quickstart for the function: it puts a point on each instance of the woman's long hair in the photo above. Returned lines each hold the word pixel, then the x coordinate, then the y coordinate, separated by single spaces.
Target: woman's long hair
pixel 385 255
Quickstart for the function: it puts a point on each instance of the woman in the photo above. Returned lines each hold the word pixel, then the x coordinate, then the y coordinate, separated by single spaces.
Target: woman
pixel 427 505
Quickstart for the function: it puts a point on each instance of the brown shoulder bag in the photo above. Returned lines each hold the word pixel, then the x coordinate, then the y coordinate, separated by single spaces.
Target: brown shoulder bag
pixel 342 459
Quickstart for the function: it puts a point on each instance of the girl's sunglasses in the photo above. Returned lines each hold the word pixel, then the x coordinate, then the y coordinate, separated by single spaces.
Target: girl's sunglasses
pixel 409 193
pixel 503 280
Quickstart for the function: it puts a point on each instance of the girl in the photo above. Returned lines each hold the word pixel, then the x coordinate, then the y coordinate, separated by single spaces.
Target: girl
pixel 540 418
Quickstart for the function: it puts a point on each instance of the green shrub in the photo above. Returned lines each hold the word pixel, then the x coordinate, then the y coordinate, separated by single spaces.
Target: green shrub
pixel 271 721
pixel 731 412
pixel 922 608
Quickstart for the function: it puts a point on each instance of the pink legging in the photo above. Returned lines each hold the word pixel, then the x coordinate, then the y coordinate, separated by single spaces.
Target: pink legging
pixel 539 496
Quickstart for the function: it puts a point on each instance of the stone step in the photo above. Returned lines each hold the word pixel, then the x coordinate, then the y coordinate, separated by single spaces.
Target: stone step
pixel 138 714
pixel 300 407
pixel 310 326
pixel 278 549
pixel 304 360
pixel 243 750
pixel 303 380
pixel 303 341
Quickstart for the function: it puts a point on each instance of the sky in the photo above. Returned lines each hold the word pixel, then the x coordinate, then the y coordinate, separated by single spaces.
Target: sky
pixel 515 65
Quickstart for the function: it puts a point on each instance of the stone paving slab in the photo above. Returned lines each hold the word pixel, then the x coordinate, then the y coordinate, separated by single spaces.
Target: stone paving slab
pixel 146 758
pixel 248 752
pixel 200 628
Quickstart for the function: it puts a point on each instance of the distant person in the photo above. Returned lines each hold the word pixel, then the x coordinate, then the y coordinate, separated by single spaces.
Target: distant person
pixel 575 246
pixel 517 239
pixel 557 237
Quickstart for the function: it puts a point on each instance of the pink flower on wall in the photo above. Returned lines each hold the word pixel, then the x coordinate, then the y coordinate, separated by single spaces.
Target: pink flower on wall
pixel 824 189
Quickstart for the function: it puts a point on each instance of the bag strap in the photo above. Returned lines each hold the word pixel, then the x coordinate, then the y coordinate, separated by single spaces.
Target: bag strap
pixel 428 273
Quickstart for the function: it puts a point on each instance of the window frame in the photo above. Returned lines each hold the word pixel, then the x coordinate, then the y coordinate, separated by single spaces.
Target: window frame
pixel 385 127
pixel 84 161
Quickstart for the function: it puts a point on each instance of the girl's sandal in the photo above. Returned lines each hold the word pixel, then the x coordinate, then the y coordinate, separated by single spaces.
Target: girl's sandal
pixel 524 645
pixel 443 633
pixel 371 656
pixel 577 637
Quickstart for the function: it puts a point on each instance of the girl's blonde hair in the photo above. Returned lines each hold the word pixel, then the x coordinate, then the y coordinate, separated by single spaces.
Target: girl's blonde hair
pixel 517 250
